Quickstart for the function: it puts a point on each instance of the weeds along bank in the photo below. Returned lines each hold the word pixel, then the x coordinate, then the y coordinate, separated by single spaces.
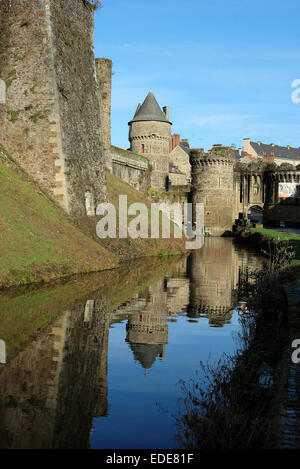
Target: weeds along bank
pixel 235 405
pixel 238 404
pixel 271 243
pixel 40 242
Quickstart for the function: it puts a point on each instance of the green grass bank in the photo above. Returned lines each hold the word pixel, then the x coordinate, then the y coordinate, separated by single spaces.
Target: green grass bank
pixel 39 242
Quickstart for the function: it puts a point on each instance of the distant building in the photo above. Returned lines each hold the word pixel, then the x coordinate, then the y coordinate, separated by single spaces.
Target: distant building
pixel 269 153
pixel 179 158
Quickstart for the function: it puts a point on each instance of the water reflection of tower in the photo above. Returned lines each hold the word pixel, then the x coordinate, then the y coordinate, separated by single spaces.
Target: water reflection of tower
pixel 147 330
pixel 211 281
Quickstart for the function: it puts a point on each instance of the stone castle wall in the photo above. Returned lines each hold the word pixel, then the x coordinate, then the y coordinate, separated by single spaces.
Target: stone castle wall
pixel 131 168
pixel 104 77
pixel 50 123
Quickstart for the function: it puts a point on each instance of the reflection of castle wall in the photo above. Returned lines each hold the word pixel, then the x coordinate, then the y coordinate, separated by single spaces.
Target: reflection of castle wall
pixel 211 281
pixel 178 294
pixel 53 388
pixel 214 275
pixel 83 383
pixel 28 389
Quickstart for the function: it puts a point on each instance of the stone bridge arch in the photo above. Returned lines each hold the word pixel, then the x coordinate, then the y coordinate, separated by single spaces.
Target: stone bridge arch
pixel 255 213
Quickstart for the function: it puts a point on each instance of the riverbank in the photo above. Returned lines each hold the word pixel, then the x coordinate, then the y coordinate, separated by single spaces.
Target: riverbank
pixel 251 400
pixel 41 243
pixel 286 394
pixel 259 238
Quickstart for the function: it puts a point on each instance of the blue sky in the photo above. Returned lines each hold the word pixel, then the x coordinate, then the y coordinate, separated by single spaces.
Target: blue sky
pixel 225 67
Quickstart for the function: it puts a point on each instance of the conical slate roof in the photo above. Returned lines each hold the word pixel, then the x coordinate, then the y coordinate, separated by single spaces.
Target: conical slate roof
pixel 149 111
pixel 137 110
pixel 146 354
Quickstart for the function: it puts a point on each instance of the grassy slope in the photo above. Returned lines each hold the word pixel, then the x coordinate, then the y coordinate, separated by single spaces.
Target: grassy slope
pixel 37 240
pixel 128 248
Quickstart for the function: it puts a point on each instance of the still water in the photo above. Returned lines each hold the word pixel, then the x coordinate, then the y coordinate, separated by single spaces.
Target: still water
pixel 96 362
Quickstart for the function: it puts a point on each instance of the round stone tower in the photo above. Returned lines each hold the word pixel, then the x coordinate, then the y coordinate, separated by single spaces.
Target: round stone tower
pixel 212 184
pixel 150 135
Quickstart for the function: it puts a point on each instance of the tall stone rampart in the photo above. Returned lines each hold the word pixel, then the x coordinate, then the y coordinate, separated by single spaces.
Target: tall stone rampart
pixel 51 120
pixel 104 77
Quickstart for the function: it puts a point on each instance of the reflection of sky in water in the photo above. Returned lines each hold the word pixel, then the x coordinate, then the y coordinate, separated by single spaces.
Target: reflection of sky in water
pixel 55 385
pixel 201 326
pixel 134 420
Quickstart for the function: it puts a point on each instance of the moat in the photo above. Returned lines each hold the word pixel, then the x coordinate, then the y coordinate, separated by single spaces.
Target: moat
pixel 95 362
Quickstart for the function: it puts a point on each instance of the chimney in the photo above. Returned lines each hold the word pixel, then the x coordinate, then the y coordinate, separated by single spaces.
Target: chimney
pixel 185 142
pixel 268 159
pixel 166 110
pixel 175 141
pixel 247 145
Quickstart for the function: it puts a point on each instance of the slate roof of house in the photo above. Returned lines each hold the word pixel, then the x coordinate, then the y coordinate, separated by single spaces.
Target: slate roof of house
pixel 149 111
pixel 185 148
pixel 287 153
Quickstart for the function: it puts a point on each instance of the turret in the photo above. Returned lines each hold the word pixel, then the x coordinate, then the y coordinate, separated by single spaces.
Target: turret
pixel 150 134
pixel 212 184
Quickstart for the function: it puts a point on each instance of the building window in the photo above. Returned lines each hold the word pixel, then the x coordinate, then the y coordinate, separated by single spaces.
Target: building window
pixel 143 148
